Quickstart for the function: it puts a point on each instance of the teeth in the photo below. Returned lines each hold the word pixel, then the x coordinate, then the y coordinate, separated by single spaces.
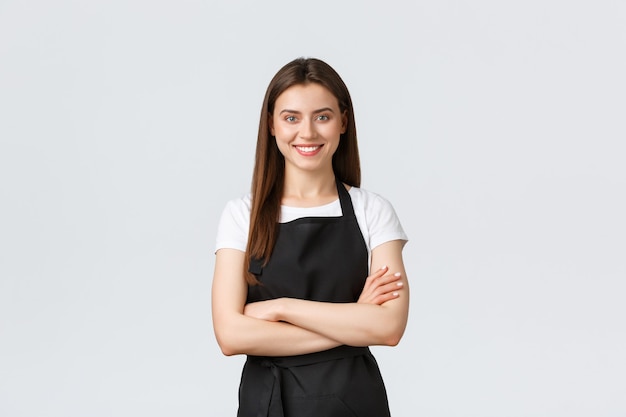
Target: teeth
pixel 307 148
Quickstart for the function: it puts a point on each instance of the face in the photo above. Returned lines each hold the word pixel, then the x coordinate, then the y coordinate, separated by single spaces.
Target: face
pixel 307 124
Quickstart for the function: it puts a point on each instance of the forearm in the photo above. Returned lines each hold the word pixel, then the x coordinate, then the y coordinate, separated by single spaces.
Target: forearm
pixel 352 324
pixel 251 336
pixel 237 333
pixel 371 321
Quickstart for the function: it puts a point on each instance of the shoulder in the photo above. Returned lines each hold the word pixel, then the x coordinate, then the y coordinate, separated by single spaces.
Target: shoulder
pixel 368 200
pixel 232 230
pixel 239 206
pixel 377 217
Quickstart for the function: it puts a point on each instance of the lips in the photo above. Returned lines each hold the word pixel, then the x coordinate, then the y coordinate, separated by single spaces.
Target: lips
pixel 308 150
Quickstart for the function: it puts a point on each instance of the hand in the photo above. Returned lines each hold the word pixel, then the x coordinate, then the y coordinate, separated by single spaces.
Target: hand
pixel 380 288
pixel 263 310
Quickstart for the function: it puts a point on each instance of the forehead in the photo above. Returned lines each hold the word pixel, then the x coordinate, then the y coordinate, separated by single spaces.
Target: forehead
pixel 303 97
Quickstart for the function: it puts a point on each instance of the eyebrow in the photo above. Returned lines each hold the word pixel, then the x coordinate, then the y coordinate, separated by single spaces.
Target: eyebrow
pixel 328 109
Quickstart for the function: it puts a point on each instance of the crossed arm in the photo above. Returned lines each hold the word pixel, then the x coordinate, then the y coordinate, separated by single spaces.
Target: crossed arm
pixel 288 326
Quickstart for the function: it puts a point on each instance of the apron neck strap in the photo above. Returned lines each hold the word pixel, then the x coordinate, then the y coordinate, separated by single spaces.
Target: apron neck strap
pixel 344 199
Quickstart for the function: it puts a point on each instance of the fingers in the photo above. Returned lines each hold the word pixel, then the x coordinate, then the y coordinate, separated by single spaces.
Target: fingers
pixel 379 279
pixel 388 289
pixel 386 279
pixel 391 287
pixel 383 298
pixel 380 288
pixel 377 274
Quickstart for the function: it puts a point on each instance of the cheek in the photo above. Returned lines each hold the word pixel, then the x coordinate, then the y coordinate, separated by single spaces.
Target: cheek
pixel 281 144
pixel 281 132
pixel 280 136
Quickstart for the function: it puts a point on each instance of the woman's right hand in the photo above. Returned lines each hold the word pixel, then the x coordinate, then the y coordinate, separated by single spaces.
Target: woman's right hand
pixel 381 287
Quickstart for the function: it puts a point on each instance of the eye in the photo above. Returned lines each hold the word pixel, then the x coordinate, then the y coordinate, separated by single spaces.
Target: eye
pixel 322 117
pixel 290 119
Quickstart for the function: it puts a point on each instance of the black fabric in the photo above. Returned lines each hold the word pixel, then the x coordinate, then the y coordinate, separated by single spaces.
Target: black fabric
pixel 321 259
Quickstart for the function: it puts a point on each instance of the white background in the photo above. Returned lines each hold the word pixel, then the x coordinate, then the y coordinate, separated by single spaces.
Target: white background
pixel 495 128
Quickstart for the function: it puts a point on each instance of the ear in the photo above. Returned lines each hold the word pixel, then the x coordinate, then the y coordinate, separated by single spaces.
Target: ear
pixel 344 121
pixel 270 123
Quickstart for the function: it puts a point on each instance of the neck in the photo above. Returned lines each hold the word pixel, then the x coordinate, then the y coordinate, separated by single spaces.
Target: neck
pixel 309 188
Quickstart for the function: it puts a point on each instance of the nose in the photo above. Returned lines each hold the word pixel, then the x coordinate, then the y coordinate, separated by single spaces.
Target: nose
pixel 307 129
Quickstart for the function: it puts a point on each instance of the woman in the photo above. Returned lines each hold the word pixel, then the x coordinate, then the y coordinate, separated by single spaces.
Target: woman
pixel 291 288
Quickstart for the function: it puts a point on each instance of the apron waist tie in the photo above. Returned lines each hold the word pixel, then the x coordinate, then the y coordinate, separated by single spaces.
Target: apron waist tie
pixel 271 403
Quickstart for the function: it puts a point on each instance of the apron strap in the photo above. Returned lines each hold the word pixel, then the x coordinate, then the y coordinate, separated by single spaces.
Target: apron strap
pixel 347 209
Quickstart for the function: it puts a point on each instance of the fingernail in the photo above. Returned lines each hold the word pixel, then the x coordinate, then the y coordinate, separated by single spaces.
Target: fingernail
pixel 395 294
pixel 397 274
pixel 399 284
pixel 383 267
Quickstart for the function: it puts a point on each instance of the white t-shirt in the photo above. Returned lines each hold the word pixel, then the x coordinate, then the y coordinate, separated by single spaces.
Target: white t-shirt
pixel 375 215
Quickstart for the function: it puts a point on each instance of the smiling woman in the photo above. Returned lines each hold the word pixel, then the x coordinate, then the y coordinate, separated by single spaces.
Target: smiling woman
pixel 309 268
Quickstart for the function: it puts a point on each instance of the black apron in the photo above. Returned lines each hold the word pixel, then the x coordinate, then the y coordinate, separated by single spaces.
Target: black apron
pixel 320 259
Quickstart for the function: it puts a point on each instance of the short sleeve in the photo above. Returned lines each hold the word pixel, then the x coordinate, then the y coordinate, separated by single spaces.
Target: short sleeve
pixel 232 230
pixel 382 221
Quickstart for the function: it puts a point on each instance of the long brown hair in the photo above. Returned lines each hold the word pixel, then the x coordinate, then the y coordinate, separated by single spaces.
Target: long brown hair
pixel 269 166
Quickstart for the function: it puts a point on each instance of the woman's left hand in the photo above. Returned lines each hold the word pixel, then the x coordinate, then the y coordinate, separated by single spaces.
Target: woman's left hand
pixel 263 310
pixel 381 287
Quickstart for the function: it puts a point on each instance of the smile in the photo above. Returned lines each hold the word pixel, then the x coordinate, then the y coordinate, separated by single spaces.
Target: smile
pixel 308 150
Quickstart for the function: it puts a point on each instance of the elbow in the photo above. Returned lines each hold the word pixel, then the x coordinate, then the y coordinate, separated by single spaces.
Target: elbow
pixel 392 340
pixel 392 336
pixel 381 335
pixel 226 349
pixel 227 345
pixel 393 330
pixel 228 335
